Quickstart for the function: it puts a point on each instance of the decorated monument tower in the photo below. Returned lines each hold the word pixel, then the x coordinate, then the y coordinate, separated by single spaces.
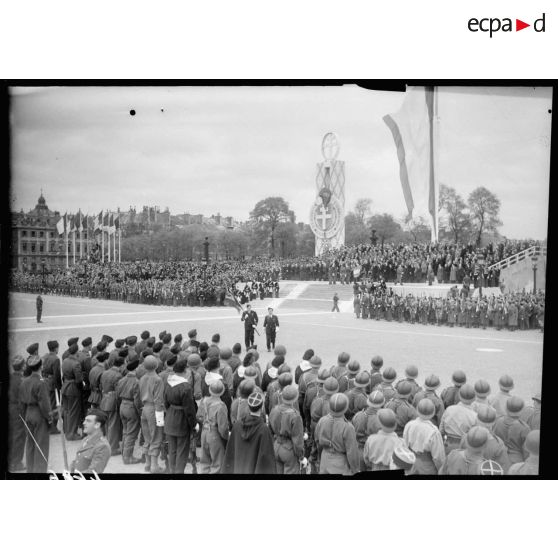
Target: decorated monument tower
pixel 327 216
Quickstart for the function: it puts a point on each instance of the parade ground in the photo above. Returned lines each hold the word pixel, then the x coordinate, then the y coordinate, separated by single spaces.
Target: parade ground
pixel 306 321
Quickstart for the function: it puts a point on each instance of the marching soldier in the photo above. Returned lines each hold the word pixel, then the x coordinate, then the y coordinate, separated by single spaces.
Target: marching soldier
pixel 425 440
pixel 286 426
pixel 36 412
pixel 127 393
pixel 336 440
pixel 335 301
pixel 271 325
pixel 94 454
pixel 39 304
pixel 17 432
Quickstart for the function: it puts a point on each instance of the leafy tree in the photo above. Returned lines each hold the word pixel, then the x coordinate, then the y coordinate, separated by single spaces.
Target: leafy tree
pixel 363 210
pixel 356 228
pixel 387 228
pixel 484 207
pixel 268 214
pixel 454 216
pixel 418 228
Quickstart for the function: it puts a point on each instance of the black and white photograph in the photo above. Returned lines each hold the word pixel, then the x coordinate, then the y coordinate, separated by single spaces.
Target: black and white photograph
pixel 320 280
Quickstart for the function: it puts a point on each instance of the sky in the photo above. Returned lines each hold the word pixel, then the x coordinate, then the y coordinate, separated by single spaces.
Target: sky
pixel 221 149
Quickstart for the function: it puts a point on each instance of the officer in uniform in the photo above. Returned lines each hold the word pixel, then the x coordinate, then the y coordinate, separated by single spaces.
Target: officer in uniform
pixel 53 378
pixel 17 432
pixel 109 404
pixel 39 305
pixel 286 426
pixel 425 440
pixel 84 359
pixel 250 319
pixel 127 394
pixel 336 440
pixel 94 453
pixel 95 380
pixel 35 410
pixel 271 325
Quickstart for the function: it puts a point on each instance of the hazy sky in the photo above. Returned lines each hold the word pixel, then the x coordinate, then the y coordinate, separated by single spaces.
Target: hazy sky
pixel 208 150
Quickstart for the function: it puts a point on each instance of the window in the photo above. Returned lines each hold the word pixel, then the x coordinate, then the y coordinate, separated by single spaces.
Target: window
pixel 41 234
pixel 53 246
pixel 23 233
pixel 41 247
pixel 32 247
pixel 51 235
pixel 24 247
pixel 33 234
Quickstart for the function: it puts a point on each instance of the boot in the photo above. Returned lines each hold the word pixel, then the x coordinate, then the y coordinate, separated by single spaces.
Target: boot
pixel 142 458
pixel 147 467
pixel 155 469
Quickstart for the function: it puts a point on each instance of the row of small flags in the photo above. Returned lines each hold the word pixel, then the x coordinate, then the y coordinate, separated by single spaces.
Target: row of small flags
pixel 104 221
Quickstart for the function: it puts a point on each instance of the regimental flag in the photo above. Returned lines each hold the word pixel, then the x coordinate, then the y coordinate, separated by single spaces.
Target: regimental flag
pixel 98 221
pixel 71 225
pixel 413 132
pixel 62 224
pixel 230 300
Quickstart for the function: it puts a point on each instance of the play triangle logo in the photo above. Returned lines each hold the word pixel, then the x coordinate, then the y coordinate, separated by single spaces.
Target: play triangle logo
pixel 493 25
pixel 519 25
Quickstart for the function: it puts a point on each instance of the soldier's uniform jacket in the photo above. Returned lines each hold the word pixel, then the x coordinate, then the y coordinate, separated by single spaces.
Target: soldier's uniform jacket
pixel 33 396
pixel 51 369
pixel 109 380
pixel 457 420
pixel 337 436
pixel 357 401
pixel 127 389
pixel 458 463
pixel 366 423
pixel 422 437
pixel 339 372
pixel 404 412
pixel 72 377
pixel 93 455
pixel 529 467
pixel 179 404
pixel 287 429
pixel 387 389
pixel 415 388
pixel 450 396
pixel 95 383
pixel 495 450
pixel 271 322
pixel 513 432
pixel 378 449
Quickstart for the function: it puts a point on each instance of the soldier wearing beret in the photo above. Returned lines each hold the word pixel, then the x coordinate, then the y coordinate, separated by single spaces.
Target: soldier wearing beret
pixel 53 379
pixel 84 358
pixel 94 453
pixel 72 385
pixel 32 350
pixel 131 342
pixel 95 374
pixel 109 403
pixel 71 341
pixel 35 410
pixel 128 396
pixel 17 430
pixel 118 345
pixel 141 345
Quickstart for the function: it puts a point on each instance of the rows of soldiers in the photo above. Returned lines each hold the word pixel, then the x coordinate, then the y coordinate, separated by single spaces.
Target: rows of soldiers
pixel 511 310
pixel 180 398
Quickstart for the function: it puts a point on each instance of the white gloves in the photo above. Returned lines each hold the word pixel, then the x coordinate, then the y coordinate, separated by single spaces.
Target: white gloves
pixel 197 427
pixel 160 418
pixel 304 462
pixel 305 437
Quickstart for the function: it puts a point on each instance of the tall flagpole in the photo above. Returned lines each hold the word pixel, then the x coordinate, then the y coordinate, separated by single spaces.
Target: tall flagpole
pixel 108 236
pixel 435 155
pixel 74 241
pixel 80 235
pixel 119 242
pixel 114 239
pixel 102 224
pixel 66 239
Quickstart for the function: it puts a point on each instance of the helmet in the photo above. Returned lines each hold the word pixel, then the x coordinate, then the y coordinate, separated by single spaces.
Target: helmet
pixel 289 393
pixel 477 437
pixel 343 358
pixel 362 379
pixel 226 353
pixel 194 360
pixel 387 419
pixel 411 371
pixel 514 405
pixel 315 361
pixel 404 388
pixel 331 386
pixel 245 388
pixel 338 404
pixel 389 374
pixel 426 408
pixel 354 366
pixel 376 399
pixel 486 414
pixel 217 388
pixel 458 377
pixel 377 361
pixel 482 388
pixel 323 375
pixel 506 383
pixel 432 382
pixel 466 393
pixel 285 379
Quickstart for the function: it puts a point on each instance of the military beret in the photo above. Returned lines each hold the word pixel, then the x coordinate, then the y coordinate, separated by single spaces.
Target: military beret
pixel 150 342
pixel 132 365
pixel 102 356
pixel 338 404
pixel 514 405
pixel 331 386
pixel 482 387
pixel 73 349
pixel 411 371
pixel 145 335
pixel 323 375
pixel 146 352
pixel 404 388
pixel 389 374
pixel 52 345
pixel 458 377
pixel 432 382
pixel 354 366
pixel 100 416
pixel 245 388
pixel 131 340
pixel 213 363
pixel 237 348
pixel 254 351
pixel 486 414
pixel 172 360
pixel 33 348
pixel 162 334
pixel 255 401
pixel 73 341
pixel 343 357
pixel 150 363
pixel 377 361
pixel 248 359
pixel 285 379
pixel 477 437
pixel 119 361
pixel 203 346
pixel 533 442
pixel 101 345
pixel 157 347
pixel 119 343
pixel 250 372
pixel 192 333
pixel 194 360
pixel 178 338
pixel 226 353
pixel 315 361
pixel 280 350
pixel 387 419
pixel 167 339
pixel 466 393
pixel 277 361
pixel 133 357
pixel 107 338
pixel 87 342
pixel 376 399
pixel 34 363
pixel 308 354
pixel 426 408
pixel 18 362
pixel 213 352
pixel 179 367
pixel 289 393
pixel 216 338
pixel 506 383
pixel 362 379
pixel 175 350
pixel 123 353
pixel 217 388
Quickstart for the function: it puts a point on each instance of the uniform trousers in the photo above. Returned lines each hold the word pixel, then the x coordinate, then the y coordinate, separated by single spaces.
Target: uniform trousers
pixel 213 451
pixel 38 426
pixel 179 450
pixel 287 463
pixel 72 415
pixel 152 434
pixel 131 425
pixel 17 435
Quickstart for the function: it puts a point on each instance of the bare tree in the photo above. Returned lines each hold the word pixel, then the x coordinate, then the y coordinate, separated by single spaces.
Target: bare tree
pixel 454 213
pixel 485 209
